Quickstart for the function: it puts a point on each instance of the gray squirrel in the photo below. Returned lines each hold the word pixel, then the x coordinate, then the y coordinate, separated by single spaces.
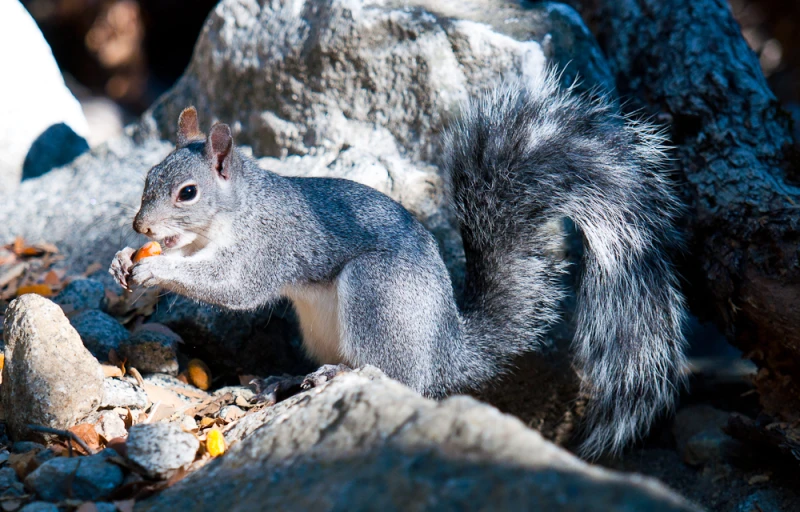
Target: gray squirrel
pixel 370 287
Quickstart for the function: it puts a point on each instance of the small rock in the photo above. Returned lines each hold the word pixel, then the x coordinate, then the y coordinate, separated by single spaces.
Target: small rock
pixel 9 480
pixel 699 436
pixel 83 478
pixel 171 383
pixel 188 424
pixel 239 392
pixel 4 455
pixel 100 332
pixel 49 378
pixel 121 393
pixel 26 446
pixel 230 413
pixel 109 425
pixel 39 506
pixel 161 448
pixel 760 501
pixel 105 507
pixel 82 294
pixel 152 351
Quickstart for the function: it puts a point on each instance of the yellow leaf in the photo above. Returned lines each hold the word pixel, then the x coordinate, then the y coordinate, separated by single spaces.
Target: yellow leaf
pixel 215 443
pixel 39 289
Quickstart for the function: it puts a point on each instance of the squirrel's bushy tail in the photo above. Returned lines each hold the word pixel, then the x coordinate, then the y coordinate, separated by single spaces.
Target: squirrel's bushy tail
pixel 522 158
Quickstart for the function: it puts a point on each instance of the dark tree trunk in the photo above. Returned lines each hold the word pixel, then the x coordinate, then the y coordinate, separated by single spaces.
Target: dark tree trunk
pixel 687 61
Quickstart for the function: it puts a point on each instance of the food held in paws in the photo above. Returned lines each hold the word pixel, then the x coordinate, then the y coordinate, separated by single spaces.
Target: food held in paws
pixel 147 250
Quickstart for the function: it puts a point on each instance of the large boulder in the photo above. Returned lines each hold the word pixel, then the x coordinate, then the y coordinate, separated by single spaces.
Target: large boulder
pixel 49 378
pixel 43 125
pixel 365 442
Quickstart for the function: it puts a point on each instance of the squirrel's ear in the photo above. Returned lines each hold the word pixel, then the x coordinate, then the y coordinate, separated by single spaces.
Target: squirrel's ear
pixel 188 129
pixel 219 147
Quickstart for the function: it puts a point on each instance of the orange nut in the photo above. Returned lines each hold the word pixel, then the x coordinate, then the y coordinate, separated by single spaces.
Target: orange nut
pixel 147 250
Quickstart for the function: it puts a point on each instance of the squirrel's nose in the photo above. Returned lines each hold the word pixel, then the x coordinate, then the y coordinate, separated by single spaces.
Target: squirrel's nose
pixel 140 227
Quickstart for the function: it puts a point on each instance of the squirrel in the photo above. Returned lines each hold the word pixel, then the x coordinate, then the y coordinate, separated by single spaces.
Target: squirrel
pixel 369 285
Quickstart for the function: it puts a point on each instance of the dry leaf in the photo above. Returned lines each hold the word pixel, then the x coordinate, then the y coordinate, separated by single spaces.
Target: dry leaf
pixel 199 374
pixel 111 371
pixel 94 267
pixel 136 375
pixel 128 419
pixel 23 463
pixel 88 434
pixel 119 445
pixel 207 422
pixel 52 278
pixel 2 362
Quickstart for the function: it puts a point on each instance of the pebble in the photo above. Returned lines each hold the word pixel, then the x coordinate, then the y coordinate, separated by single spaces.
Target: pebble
pixel 160 449
pixel 121 393
pixel 83 478
pixel 100 332
pixel 151 351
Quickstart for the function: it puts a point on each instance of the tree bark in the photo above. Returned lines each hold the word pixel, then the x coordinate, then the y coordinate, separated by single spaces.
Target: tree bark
pixel 687 61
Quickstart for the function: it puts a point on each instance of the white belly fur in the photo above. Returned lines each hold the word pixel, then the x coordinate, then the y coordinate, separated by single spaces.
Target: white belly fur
pixel 317 308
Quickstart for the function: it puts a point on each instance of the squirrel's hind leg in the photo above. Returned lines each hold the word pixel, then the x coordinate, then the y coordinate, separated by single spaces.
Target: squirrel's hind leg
pixel 397 313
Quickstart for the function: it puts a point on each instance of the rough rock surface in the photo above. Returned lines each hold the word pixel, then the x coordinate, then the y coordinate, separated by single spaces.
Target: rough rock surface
pixel 49 378
pixel 160 448
pixel 152 351
pixel 364 441
pixel 99 331
pixel 121 393
pixel 35 105
pixel 82 294
pixel 83 478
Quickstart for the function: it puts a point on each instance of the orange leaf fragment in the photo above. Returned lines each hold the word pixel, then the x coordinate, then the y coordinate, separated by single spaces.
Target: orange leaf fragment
pixel 88 434
pixel 199 374
pixel 147 250
pixel 215 443
pixel 39 289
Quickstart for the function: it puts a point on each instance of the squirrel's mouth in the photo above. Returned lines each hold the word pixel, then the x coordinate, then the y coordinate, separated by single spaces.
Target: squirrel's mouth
pixel 171 241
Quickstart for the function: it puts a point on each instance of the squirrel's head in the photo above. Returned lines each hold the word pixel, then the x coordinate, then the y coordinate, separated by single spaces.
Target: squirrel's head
pixel 190 190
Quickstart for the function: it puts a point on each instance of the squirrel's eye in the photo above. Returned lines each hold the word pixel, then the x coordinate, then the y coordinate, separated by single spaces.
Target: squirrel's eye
pixel 187 193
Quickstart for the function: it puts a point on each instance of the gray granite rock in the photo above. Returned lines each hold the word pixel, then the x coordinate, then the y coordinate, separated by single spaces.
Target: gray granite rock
pixel 82 294
pixel 108 424
pixel 121 393
pixel 84 478
pixel 365 442
pixel 100 332
pixel 152 351
pixel 160 449
pixel 699 436
pixel 49 378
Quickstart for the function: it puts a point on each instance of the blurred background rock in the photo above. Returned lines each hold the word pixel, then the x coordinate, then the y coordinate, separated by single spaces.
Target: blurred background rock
pixel 118 56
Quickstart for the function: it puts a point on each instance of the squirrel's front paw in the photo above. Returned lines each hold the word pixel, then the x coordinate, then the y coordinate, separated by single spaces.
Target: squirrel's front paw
pixel 121 266
pixel 147 273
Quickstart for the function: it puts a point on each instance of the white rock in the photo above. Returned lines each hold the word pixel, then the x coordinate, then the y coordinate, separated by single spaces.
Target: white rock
pixel 33 96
